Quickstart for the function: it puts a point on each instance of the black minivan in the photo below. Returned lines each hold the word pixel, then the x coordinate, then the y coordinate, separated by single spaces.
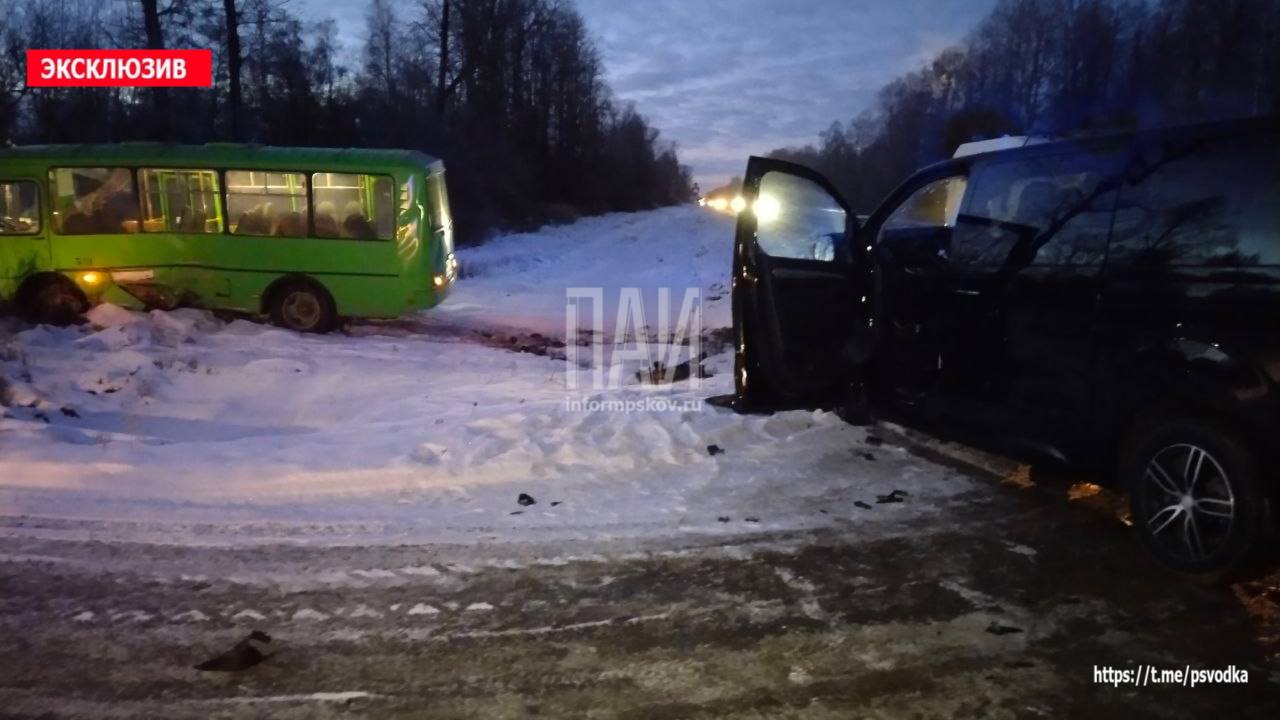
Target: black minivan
pixel 1112 302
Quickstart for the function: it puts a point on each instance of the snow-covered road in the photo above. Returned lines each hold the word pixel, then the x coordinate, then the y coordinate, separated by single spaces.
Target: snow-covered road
pixel 171 481
pixel 179 427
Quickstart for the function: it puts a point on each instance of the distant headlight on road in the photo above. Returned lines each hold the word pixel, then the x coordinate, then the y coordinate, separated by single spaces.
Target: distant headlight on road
pixel 767 208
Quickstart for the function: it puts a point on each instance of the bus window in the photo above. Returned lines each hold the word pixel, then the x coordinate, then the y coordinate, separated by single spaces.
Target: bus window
pixel 267 203
pixel 184 201
pixel 19 208
pixel 439 198
pixel 359 207
pixel 90 201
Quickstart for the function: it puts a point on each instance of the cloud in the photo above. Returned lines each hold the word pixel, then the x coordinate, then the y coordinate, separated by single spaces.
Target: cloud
pixel 726 79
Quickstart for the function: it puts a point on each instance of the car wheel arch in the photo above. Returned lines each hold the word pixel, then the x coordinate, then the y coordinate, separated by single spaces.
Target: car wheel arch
pixel 1153 414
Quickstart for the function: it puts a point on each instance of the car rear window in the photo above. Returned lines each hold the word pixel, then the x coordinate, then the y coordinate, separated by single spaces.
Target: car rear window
pixel 1202 203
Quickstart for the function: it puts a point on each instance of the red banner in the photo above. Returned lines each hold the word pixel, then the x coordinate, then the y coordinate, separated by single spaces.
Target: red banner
pixel 120 68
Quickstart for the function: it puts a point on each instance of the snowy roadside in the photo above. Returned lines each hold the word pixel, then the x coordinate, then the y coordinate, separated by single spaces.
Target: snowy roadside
pixel 178 427
pixel 518 281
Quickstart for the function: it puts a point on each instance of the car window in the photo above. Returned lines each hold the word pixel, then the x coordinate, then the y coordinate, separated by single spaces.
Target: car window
pixel 19 208
pixel 797 218
pixel 934 205
pixel 1043 210
pixel 185 201
pixel 1201 203
pixel 93 200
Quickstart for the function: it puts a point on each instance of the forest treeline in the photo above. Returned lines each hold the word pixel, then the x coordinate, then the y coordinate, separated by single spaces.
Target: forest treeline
pixel 511 93
pixel 1060 68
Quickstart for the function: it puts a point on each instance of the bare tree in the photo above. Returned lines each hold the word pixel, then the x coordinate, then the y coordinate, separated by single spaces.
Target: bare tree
pixel 235 102
pixel 160 117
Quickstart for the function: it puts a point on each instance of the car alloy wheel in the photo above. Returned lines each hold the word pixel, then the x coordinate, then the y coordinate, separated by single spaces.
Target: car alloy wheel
pixel 1188 507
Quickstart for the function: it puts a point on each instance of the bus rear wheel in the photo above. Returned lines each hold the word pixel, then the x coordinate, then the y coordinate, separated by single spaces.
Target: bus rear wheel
pixel 303 307
pixel 51 301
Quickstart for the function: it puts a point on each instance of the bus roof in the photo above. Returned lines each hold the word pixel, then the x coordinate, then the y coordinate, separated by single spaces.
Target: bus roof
pixel 232 155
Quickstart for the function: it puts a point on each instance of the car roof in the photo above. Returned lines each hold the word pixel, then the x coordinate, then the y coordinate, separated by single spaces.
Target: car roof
pixel 1222 127
pixel 1241 126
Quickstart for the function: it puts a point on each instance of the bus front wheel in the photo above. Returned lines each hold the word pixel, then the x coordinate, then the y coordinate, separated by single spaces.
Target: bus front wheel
pixel 52 300
pixel 303 307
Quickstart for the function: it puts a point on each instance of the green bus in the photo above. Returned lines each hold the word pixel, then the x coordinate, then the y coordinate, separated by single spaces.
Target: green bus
pixel 304 235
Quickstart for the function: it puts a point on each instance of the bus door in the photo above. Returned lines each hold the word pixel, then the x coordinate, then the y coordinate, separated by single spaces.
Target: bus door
pixel 24 235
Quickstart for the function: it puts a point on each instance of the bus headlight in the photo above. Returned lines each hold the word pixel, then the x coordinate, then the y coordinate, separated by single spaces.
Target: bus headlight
pixel 450 271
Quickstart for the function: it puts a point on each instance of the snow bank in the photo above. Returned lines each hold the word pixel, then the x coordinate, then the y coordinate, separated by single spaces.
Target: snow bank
pixel 179 427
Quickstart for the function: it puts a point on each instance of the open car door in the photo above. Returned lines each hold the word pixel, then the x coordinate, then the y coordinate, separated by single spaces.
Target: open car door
pixel 798 302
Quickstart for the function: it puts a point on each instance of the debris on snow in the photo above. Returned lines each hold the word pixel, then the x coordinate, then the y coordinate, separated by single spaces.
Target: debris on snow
pixel 252 650
pixel 996 628
pixel 894 496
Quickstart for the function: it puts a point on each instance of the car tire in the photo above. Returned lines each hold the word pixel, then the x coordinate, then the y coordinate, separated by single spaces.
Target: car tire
pixel 1195 496
pixel 303 307
pixel 52 301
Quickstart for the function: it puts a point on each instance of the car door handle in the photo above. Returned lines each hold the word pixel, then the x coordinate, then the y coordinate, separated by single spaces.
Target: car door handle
pixel 965 291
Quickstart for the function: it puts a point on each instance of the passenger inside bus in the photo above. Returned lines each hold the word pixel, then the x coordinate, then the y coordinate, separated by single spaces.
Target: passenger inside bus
pixel 255 221
pixel 356 225
pixel 326 223
pixel 291 224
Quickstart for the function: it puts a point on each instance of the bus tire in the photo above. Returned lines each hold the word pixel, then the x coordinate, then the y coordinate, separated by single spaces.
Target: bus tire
pixel 303 306
pixel 51 300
